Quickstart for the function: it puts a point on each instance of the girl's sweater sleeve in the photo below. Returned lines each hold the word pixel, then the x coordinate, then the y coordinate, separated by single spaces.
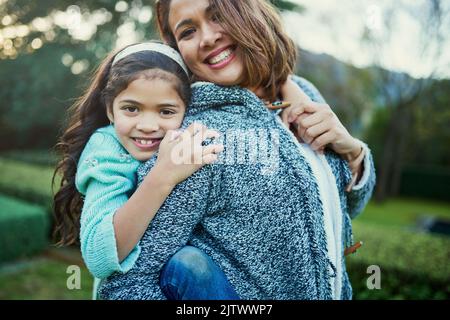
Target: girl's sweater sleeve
pixel 106 176
pixel 360 194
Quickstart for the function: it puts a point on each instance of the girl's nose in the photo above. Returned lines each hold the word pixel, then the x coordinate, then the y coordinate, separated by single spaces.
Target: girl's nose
pixel 147 124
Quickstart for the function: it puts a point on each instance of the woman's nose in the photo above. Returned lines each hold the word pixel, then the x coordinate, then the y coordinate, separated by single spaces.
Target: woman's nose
pixel 210 35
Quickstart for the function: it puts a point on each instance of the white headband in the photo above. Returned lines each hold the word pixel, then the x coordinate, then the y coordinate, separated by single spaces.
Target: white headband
pixel 152 46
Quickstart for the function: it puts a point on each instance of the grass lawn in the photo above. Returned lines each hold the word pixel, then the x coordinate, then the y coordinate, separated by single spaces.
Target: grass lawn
pixel 43 278
pixel 402 212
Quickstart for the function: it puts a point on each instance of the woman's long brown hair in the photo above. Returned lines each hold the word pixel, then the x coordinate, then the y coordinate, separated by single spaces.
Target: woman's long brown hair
pixel 269 54
pixel 90 113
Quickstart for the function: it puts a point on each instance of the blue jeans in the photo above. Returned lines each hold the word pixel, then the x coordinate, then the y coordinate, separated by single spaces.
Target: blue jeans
pixel 190 274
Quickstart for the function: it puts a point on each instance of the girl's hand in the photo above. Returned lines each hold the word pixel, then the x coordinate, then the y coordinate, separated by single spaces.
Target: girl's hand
pixel 317 125
pixel 181 154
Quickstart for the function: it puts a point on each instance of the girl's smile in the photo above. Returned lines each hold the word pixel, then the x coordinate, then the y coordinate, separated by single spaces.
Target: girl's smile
pixel 147 143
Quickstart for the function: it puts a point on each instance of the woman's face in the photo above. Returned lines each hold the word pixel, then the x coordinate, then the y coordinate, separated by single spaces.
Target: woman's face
pixel 143 113
pixel 207 49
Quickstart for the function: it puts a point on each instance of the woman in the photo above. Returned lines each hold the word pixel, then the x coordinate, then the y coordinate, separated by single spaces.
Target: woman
pixel 276 220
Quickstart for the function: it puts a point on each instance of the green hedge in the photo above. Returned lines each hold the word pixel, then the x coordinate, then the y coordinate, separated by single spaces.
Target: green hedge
pixel 413 265
pixel 24 229
pixel 31 183
pixel 426 182
pixel 36 157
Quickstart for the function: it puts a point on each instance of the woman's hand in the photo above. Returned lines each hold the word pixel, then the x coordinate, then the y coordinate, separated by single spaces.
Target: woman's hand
pixel 181 153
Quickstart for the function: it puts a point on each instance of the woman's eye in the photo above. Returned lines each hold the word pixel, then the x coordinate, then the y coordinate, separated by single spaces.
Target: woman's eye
pixel 215 18
pixel 186 33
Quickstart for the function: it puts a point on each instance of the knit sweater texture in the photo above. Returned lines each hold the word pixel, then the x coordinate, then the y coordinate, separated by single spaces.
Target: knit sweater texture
pixel 256 212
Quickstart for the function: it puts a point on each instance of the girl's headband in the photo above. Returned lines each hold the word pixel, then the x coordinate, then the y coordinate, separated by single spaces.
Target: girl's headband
pixel 155 47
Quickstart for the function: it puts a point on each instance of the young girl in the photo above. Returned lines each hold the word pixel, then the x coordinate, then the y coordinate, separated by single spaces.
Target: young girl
pixel 136 101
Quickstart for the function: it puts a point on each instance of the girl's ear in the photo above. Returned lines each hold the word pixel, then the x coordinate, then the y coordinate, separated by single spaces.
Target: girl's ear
pixel 110 115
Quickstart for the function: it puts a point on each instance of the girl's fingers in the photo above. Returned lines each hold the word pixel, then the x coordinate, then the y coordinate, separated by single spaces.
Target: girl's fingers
pixel 212 149
pixel 210 158
pixel 284 116
pixel 313 132
pixel 295 113
pixel 311 119
pixel 322 141
pixel 174 134
pixel 194 128
pixel 210 134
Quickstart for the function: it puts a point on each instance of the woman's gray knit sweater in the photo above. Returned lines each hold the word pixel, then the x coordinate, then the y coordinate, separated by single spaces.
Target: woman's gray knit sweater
pixel 257 212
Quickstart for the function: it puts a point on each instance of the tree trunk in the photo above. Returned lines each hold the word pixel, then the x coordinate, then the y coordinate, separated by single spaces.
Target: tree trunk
pixel 391 164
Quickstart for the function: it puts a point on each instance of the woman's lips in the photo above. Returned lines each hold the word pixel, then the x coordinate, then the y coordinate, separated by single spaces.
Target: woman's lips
pixel 222 59
pixel 146 144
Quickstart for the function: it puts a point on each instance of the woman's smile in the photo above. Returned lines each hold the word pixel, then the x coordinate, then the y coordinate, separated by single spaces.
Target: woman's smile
pixel 221 58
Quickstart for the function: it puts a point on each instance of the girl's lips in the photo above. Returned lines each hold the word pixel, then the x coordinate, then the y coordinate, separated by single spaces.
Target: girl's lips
pixel 154 143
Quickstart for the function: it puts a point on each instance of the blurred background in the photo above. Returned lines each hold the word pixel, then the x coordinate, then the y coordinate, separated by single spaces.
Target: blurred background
pixel 384 66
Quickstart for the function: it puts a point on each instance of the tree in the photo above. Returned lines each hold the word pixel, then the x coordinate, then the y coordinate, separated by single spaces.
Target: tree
pixel 399 91
pixel 47 49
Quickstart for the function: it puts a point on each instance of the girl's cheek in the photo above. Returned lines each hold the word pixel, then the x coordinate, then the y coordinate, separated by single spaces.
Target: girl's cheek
pixel 120 128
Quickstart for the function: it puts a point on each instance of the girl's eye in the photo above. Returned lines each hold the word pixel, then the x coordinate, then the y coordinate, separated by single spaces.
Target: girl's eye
pixel 131 109
pixel 167 112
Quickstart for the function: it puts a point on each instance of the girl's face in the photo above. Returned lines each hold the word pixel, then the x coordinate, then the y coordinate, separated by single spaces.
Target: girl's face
pixel 143 113
pixel 207 49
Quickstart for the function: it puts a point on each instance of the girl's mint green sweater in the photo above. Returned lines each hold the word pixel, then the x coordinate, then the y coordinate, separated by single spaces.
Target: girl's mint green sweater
pixel 106 177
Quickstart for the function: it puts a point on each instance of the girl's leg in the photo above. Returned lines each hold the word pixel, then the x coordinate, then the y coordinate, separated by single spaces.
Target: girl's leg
pixel 190 274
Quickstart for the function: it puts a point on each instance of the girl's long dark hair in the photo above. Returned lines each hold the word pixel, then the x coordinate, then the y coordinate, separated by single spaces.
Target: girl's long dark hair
pixel 88 114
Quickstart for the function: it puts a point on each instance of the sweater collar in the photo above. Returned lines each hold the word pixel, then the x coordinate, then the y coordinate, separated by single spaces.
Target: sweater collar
pixel 207 95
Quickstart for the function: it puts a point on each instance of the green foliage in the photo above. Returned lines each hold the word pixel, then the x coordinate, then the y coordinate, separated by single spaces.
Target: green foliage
pixel 285 5
pixel 426 181
pixel 413 266
pixel 24 229
pixel 430 135
pixel 29 182
pixel 36 92
pixel 40 157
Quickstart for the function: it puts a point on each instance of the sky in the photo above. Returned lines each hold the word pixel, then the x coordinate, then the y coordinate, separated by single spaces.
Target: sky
pixel 336 28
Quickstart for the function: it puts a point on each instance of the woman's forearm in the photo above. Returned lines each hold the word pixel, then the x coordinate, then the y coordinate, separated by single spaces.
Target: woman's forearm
pixel 132 219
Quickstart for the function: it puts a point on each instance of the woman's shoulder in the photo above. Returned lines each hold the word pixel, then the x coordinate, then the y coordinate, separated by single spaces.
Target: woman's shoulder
pixel 227 102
